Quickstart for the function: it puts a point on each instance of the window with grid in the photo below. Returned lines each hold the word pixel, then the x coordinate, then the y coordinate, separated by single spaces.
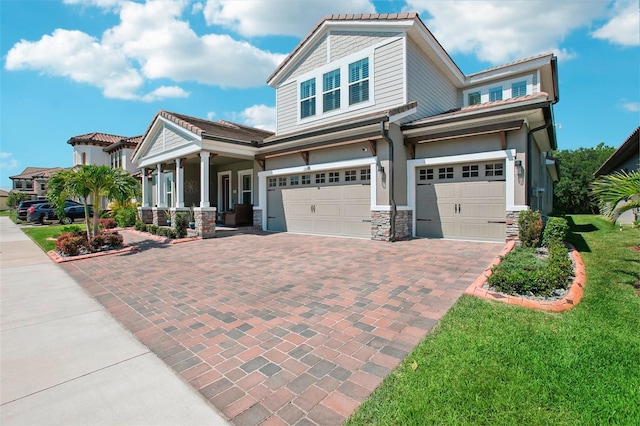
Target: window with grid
pixel 294 180
pixel 495 94
pixel 470 171
pixel 334 176
pixel 308 98
pixel 29 184
pixel 425 174
pixel 365 174
pixel 331 90
pixel 272 182
pixel 350 176
pixel 519 89
pixel 282 181
pixel 359 81
pixel 494 169
pixel 445 173
pixel 320 178
pixel 474 98
pixel 17 184
pixel 306 179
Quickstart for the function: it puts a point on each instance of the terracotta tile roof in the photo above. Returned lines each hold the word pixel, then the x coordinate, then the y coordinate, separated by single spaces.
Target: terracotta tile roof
pixel 629 148
pixel 34 172
pixel 345 17
pixel 484 106
pixel 510 64
pixel 96 138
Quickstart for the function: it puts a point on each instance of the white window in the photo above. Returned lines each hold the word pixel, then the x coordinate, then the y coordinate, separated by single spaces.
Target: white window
pixel 494 169
pixel 425 174
pixel 245 183
pixel 359 81
pixel 470 171
pixel 334 176
pixel 320 178
pixel 495 94
pixel 350 175
pixel 306 179
pixel 272 182
pixel 365 174
pixel 282 181
pixel 474 98
pixel 331 90
pixel 308 98
pixel 445 173
pixel 518 89
pixel 294 180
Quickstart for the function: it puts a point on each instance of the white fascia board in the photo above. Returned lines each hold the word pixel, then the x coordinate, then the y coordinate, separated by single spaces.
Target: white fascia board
pixel 158 125
pixel 509 70
pixel 222 148
pixel 400 116
pixel 167 156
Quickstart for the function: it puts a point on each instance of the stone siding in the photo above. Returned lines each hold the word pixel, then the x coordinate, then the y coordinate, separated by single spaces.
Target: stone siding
pixel 404 224
pixel 512 226
pixel 381 225
pixel 145 214
pixel 205 221
pixel 175 211
pixel 257 218
pixel 159 217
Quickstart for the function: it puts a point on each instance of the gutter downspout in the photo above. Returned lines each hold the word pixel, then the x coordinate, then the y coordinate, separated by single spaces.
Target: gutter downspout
pixel 392 218
pixel 546 124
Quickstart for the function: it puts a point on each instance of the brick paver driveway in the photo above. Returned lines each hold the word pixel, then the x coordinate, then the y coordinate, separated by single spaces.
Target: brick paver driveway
pixel 281 328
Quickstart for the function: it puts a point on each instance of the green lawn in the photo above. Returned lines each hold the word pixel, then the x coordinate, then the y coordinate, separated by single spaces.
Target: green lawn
pixel 40 234
pixel 11 214
pixel 490 363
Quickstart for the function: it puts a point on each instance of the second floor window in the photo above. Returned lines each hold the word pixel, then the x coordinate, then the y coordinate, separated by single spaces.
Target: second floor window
pixel 519 89
pixel 495 94
pixel 359 81
pixel 331 90
pixel 474 98
pixel 116 160
pixel 308 98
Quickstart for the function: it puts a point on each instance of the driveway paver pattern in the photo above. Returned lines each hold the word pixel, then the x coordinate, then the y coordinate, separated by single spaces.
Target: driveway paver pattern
pixel 281 328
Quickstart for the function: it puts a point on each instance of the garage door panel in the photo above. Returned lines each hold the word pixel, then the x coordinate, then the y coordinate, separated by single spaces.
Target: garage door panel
pixel 326 209
pixel 360 211
pixel 356 192
pixel 297 194
pixel 482 230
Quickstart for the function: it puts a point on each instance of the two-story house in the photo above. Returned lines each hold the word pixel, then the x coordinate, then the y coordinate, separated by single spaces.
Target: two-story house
pixel 33 181
pixel 379 135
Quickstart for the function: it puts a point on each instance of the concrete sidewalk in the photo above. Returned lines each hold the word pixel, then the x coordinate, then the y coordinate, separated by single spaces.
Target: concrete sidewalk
pixel 65 360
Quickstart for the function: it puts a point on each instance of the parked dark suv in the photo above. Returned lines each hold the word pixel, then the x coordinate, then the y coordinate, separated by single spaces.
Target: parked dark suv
pixel 72 213
pixel 39 212
pixel 24 206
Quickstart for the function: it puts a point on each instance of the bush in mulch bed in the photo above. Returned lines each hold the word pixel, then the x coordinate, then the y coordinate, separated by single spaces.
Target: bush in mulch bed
pixel 75 243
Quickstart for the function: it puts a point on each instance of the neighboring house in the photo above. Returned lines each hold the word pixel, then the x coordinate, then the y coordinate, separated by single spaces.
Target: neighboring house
pixel 33 181
pixel 3 200
pixel 379 135
pixel 105 149
pixel 625 158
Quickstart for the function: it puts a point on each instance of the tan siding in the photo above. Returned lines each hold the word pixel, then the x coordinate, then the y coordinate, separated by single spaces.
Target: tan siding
pixel 315 58
pixel 167 139
pixel 344 43
pixel 427 85
pixel 389 75
pixel 287 107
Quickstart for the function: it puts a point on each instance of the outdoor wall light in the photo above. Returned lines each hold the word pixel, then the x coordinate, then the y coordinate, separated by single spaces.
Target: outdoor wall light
pixel 519 168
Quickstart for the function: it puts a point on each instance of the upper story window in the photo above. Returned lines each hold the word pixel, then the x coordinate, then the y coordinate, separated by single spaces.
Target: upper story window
pixel 359 81
pixel 474 98
pixel 84 158
pixel 116 160
pixel 17 184
pixel 308 98
pixel 331 90
pixel 495 94
pixel 518 89
pixel 29 184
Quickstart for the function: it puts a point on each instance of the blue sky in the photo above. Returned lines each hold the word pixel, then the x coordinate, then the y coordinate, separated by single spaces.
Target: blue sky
pixel 77 66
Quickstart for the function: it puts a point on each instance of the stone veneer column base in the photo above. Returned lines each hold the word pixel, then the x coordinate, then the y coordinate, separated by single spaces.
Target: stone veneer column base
pixel 512 226
pixel 145 214
pixel 205 218
pixel 159 216
pixel 381 225
pixel 257 218
pixel 175 210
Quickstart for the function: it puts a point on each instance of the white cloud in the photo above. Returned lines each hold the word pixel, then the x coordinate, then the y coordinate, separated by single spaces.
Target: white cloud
pixel 7 162
pixel 630 106
pixel 210 115
pixel 197 8
pixel 105 4
pixel 150 42
pixel 507 30
pixel 624 27
pixel 259 116
pixel 277 17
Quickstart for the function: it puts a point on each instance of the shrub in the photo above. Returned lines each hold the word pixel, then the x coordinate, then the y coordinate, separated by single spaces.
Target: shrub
pixel 107 223
pixel 141 226
pixel 529 227
pixel 104 214
pixel 106 240
pixel 126 217
pixel 182 222
pixel 71 243
pixel 556 230
pixel 152 229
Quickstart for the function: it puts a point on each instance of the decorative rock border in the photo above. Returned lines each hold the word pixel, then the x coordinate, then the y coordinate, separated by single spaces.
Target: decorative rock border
pixel 53 255
pixel 572 298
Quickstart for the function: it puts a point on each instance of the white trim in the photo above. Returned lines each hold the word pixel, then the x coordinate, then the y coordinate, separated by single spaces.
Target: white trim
pixel 242 173
pixel 405 72
pixel 360 162
pixel 508 156
pixel 168 156
pixel 230 200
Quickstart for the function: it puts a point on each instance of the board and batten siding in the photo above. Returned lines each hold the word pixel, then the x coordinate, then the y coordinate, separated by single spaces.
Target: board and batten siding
pixel 166 140
pixel 427 85
pixel 387 90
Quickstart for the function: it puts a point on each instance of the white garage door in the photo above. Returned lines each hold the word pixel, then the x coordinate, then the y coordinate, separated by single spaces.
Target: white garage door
pixel 324 203
pixel 465 201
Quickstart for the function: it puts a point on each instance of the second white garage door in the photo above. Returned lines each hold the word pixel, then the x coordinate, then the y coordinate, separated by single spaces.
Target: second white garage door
pixel 461 202
pixel 325 203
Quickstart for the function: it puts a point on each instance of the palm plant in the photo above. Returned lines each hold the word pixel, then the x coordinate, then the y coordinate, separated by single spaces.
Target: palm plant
pixel 617 193
pixel 91 181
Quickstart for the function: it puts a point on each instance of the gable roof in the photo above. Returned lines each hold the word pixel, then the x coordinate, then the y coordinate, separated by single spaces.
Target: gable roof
pixel 373 18
pixel 629 148
pixel 34 172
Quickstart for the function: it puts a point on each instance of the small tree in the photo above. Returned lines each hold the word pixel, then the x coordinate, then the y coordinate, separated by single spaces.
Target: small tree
pixel 617 193
pixel 15 198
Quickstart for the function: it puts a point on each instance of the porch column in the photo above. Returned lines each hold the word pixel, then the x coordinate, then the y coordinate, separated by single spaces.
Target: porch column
pixel 145 189
pixel 179 184
pixel 204 179
pixel 160 195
